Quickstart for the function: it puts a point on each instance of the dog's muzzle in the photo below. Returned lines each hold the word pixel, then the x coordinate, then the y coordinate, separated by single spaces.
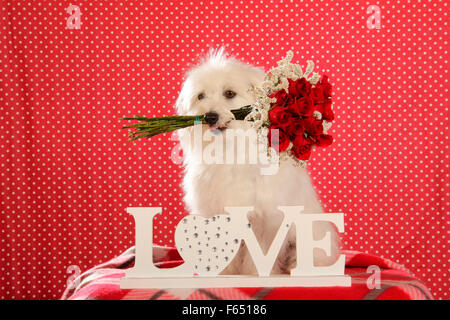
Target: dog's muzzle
pixel 211 118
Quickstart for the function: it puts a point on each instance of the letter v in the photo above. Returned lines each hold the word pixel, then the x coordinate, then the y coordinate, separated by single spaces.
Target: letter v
pixel 263 263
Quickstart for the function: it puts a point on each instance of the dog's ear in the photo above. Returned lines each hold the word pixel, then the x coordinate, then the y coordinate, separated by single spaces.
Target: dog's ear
pixel 179 103
pixel 256 76
pixel 183 100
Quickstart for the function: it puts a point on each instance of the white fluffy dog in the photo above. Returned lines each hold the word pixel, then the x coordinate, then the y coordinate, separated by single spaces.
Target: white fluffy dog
pixel 216 86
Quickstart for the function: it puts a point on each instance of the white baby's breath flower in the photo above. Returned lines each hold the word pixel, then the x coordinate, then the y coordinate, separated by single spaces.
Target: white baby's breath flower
pixel 309 69
pixel 298 71
pixel 317 115
pixel 326 126
pixel 314 78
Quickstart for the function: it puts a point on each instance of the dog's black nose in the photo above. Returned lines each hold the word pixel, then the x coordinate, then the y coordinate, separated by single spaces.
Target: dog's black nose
pixel 211 118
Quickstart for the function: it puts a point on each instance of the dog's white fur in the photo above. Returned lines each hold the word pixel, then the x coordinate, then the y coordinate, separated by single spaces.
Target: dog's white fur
pixel 209 188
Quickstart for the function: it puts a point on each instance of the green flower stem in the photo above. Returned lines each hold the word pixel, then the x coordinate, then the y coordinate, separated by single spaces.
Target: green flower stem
pixel 153 126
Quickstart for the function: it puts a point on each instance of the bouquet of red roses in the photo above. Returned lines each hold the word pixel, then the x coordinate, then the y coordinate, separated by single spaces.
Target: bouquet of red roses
pixel 299 115
pixel 292 112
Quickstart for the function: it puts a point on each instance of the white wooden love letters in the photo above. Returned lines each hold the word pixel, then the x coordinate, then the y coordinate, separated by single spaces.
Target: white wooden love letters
pixel 207 246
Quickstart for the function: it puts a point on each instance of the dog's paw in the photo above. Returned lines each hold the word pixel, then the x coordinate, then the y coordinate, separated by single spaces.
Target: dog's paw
pixel 287 259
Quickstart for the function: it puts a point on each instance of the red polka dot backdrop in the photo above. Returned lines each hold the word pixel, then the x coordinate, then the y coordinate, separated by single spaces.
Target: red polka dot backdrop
pixel 69 70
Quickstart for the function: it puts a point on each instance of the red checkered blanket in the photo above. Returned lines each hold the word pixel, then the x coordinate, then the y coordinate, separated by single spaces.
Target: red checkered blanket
pixel 102 282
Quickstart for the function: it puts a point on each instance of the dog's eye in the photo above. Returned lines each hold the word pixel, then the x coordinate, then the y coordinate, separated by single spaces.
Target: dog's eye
pixel 229 94
pixel 200 96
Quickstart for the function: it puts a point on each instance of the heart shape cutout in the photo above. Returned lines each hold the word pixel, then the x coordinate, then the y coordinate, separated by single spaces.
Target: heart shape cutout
pixel 208 245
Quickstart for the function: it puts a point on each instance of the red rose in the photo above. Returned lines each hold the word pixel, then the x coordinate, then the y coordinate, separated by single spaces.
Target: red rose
pixel 327 113
pixel 302 148
pixel 299 88
pixel 323 140
pixel 280 117
pixel 302 106
pixel 282 97
pixel 282 143
pixel 317 94
pixel 295 128
pixel 325 109
pixel 325 86
pixel 313 126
